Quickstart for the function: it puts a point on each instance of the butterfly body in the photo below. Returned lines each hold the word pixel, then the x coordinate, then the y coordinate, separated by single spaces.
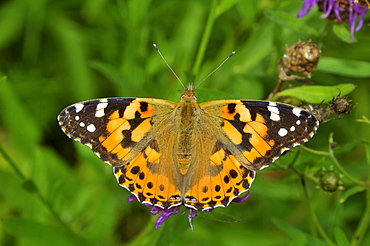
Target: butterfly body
pixel 199 155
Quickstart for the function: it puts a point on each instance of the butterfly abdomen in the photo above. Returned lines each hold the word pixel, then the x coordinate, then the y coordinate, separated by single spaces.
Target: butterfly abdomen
pixel 187 122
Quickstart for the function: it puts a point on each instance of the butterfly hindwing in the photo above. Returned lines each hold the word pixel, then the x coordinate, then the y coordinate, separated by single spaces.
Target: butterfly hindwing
pixel 219 182
pixel 144 178
pixel 258 132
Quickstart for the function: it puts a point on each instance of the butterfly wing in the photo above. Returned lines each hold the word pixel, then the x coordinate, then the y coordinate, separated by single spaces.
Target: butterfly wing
pixel 116 129
pixel 218 179
pixel 123 132
pixel 259 132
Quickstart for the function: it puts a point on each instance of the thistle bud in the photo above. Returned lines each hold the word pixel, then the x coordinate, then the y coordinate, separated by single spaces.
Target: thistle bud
pixel 340 105
pixel 330 181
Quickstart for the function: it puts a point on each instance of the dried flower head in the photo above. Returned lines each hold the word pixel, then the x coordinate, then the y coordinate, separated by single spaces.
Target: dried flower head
pixel 301 57
pixel 340 105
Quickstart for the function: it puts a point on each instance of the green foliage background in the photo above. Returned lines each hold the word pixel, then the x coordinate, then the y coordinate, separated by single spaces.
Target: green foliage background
pixel 55 53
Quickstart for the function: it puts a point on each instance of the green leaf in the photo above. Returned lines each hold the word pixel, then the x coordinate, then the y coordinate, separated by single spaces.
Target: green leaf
pixel 301 240
pixel 36 233
pixel 219 216
pixel 317 93
pixel 11 22
pixel 350 192
pixel 342 33
pixel 20 122
pixel 224 6
pixel 2 81
pixel 350 68
pixel 29 186
pixel 340 237
pixel 289 20
pixel 293 232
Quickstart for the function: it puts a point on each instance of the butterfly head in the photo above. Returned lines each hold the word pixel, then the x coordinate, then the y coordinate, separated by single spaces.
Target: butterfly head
pixel 189 95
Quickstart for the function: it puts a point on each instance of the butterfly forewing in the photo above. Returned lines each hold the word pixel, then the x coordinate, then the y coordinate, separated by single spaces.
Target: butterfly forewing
pixel 258 132
pixel 116 129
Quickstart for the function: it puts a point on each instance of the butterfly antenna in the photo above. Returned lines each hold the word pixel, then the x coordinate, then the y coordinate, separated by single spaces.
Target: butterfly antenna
pixel 168 65
pixel 222 63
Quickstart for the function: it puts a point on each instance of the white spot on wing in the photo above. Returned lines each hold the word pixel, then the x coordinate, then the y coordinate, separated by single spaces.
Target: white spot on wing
pixel 275 158
pixel 100 107
pixel 297 112
pixel 82 124
pixel 274 111
pixel 274 117
pixel 88 145
pixel 295 145
pixel 79 107
pixel 292 129
pixel 99 113
pixel 284 150
pixel 77 117
pixel 298 122
pixel 282 132
pixel 91 128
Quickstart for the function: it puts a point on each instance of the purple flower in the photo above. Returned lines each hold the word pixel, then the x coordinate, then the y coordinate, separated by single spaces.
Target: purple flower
pixel 242 199
pixel 306 7
pixel 339 11
pixel 166 213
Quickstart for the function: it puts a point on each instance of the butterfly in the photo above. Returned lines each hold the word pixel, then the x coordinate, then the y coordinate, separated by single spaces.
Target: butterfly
pixel 199 155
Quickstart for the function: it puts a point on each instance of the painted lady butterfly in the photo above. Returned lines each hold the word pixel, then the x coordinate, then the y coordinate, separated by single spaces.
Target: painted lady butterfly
pixel 198 155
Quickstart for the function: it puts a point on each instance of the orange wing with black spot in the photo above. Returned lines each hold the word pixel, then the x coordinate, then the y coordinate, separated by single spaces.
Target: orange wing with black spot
pixel 218 180
pixel 259 132
pixel 116 129
pixel 123 132
pixel 149 179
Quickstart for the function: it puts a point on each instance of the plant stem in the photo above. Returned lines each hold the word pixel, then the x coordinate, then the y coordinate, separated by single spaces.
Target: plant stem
pixel 343 171
pixel 205 38
pixel 364 223
pixel 12 164
pixel 30 186
pixel 146 234
pixel 365 219
pixel 315 152
pixel 314 219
